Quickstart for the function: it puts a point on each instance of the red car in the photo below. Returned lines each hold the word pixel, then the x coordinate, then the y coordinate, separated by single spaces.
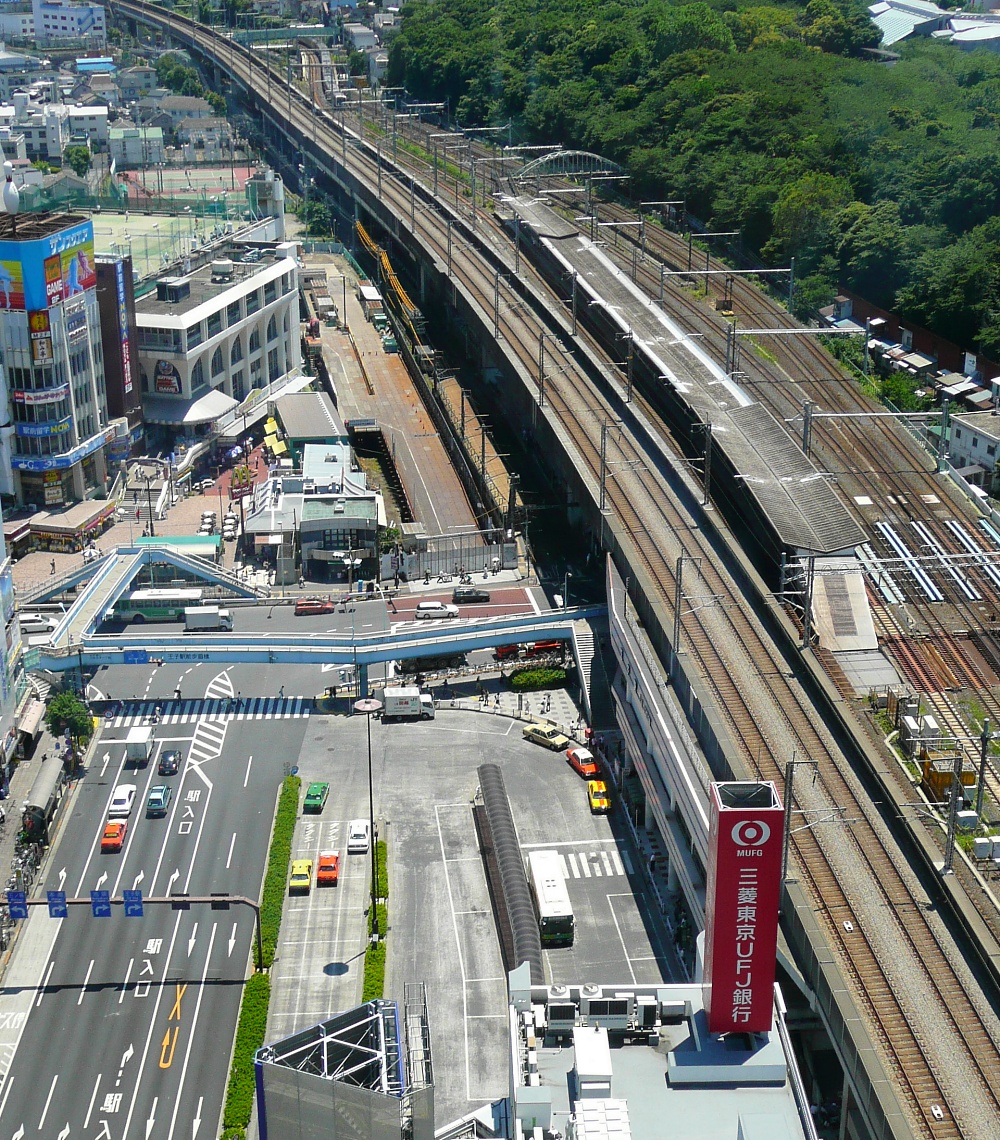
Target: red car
pixel 114 835
pixel 307 606
pixel 582 760
pixel 328 869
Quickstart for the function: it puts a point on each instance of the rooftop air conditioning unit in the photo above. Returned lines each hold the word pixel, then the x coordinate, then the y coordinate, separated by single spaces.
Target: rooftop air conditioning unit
pixel 610 1010
pixel 222 269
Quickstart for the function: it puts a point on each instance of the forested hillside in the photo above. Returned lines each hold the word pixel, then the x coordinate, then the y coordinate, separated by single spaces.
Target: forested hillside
pixel 768 119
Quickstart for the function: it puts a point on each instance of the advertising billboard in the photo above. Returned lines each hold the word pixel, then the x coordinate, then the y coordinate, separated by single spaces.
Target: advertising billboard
pixel 241 483
pixel 741 906
pixel 122 299
pixel 40 273
pixel 168 379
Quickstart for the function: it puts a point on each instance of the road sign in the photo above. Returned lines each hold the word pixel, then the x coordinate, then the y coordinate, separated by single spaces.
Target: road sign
pixel 133 904
pixel 136 657
pixel 57 904
pixel 100 903
pixel 17 904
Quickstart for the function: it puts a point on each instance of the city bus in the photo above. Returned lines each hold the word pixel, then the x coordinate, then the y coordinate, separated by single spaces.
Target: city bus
pixel 548 889
pixel 154 605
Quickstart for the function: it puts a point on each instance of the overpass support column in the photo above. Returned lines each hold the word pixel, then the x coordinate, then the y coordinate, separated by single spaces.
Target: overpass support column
pixel 649 821
pixel 362 680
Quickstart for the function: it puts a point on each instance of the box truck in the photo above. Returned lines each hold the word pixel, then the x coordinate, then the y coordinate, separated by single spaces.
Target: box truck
pixel 207 617
pixel 139 745
pixel 407 701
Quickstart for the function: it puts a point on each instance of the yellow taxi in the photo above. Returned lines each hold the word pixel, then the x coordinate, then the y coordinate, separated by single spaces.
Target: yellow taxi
pixel 597 795
pixel 300 880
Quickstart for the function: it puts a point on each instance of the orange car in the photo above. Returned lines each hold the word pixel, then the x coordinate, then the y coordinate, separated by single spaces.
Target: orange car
pixel 582 760
pixel 328 869
pixel 306 606
pixel 114 835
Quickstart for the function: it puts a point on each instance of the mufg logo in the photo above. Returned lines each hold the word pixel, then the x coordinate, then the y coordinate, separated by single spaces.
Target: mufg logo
pixel 750 835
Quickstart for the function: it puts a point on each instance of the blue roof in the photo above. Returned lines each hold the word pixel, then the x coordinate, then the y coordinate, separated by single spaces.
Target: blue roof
pixel 96 63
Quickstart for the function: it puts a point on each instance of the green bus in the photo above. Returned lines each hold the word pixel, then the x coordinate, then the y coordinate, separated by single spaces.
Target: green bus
pixel 154 605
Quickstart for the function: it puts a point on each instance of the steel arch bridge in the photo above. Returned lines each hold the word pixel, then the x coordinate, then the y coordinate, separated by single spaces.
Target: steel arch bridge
pixel 566 164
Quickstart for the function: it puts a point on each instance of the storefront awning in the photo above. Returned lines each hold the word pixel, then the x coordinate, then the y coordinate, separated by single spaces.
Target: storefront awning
pixel 267 539
pixel 31 719
pixel 280 448
pixel 271 425
pixel 270 442
pixel 167 410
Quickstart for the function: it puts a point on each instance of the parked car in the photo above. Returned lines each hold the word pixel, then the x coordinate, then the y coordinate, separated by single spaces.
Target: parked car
pixel 122 801
pixel 114 835
pixel 469 594
pixel 170 763
pixel 547 735
pixel 300 880
pixel 328 869
pixel 316 797
pixel 435 610
pixel 597 796
pixel 158 800
pixel 359 835
pixel 308 606
pixel 582 760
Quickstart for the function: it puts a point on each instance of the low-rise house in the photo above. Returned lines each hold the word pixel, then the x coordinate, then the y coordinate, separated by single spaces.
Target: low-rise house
pixel 132 147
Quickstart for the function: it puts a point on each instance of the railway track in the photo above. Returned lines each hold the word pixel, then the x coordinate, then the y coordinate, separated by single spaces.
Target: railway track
pixel 937 1034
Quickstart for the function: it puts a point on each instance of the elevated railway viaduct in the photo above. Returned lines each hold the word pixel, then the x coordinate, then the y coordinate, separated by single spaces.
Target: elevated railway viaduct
pixel 915 1066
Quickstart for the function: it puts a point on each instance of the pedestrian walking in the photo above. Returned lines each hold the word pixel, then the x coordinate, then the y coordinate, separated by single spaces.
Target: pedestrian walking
pixel 177 693
pixel 281 693
pixel 239 701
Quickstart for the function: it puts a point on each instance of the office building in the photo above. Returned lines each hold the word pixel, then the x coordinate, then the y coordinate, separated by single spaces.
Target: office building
pixel 207 338
pixel 52 449
pixel 116 303
pixel 57 20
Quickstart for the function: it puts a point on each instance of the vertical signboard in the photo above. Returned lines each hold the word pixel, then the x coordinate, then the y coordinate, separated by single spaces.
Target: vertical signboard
pixel 123 325
pixel 741 906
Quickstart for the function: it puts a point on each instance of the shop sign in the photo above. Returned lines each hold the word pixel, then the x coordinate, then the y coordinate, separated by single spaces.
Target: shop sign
pixel 33 396
pixel 58 462
pixel 168 379
pixel 76 323
pixel 123 325
pixel 7 590
pixel 241 484
pixel 53 494
pixel 44 272
pixel 40 334
pixel 53 427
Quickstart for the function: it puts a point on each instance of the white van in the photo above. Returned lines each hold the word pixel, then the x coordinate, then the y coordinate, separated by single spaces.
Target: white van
pixel 435 610
pixel 37 623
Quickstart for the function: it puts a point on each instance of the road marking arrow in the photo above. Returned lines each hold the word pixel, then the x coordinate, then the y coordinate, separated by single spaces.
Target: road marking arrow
pixel 62 878
pixel 232 940
pixel 173 879
pixel 196 1123
pixel 127 1056
pixel 64 1132
pixel 138 880
pixel 152 1117
pixel 192 939
pixel 101 881
pixel 105 1133
pixel 20 1132
pixel 106 758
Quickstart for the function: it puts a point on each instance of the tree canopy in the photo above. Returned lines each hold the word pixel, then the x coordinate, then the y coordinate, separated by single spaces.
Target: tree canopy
pixel 773 120
pixel 67 713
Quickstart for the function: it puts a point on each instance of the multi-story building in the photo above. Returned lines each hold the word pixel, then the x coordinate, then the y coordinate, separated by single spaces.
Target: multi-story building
pixel 135 146
pixel 45 126
pixel 52 392
pixel 207 338
pixel 135 82
pixel 56 20
pixel 91 121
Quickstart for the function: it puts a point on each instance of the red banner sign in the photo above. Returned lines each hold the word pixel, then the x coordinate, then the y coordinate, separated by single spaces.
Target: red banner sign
pixel 741 906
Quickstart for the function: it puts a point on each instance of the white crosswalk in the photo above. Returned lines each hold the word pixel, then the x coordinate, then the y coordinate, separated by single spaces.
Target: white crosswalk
pixel 591 864
pixel 223 710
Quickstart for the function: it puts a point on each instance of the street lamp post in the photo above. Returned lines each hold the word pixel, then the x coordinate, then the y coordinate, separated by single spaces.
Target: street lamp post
pixel 368 707
pixel 566 578
pixel 149 503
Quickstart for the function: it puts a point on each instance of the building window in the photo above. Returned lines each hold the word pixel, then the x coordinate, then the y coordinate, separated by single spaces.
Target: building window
pixel 197 376
pixel 272 330
pixel 238 391
pixel 255 340
pixel 234 314
pixel 273 367
pixel 215 323
pixel 194 336
pixel 217 362
pixel 237 353
pixel 270 292
pixel 253 301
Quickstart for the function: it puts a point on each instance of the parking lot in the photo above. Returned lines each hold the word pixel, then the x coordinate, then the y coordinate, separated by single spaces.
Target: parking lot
pixel 442 929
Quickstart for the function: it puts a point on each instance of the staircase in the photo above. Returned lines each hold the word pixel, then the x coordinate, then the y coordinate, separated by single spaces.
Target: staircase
pixel 593 674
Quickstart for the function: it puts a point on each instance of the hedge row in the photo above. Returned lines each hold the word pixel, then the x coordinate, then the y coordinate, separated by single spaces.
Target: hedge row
pixel 374 981
pixel 249 1038
pixel 273 898
pixel 544 677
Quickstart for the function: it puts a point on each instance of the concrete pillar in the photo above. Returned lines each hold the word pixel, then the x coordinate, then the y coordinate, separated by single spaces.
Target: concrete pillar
pixel 79 489
pixel 649 823
pixel 362 679
pixel 101 467
pixel 672 881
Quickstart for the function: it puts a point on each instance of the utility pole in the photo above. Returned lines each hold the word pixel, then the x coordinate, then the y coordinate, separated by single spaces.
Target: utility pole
pixel 678 601
pixel 496 305
pixel 985 738
pixel 807 410
pixel 956 796
pixel 573 304
pixel 541 369
pixel 807 603
pixel 604 464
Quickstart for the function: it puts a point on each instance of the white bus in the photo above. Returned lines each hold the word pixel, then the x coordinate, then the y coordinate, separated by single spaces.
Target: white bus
pixel 548 889
pixel 154 604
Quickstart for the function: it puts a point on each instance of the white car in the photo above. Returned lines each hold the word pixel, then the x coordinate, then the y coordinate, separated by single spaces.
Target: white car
pixel 435 610
pixel 37 623
pixel 122 801
pixel 359 834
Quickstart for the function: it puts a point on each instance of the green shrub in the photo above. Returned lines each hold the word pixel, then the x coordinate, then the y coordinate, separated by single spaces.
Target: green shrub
pixel 544 677
pixel 273 897
pixel 374 972
pixel 381 869
pixel 249 1038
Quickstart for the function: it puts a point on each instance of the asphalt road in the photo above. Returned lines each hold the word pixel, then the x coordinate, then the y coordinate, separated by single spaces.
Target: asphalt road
pixel 122 1027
